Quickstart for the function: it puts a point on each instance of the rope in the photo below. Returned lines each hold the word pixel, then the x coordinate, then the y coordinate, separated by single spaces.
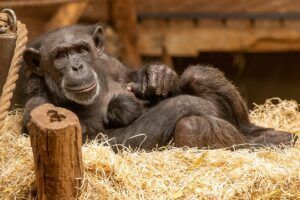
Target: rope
pixel 13 74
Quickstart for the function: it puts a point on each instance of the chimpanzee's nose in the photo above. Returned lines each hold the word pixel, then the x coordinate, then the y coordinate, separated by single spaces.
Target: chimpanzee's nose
pixel 77 68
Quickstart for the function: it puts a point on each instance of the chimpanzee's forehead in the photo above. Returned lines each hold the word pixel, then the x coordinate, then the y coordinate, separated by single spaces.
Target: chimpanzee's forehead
pixel 65 37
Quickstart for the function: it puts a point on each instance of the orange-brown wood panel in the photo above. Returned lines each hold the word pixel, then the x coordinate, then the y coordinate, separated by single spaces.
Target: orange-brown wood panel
pixel 190 41
pixel 179 6
pixel 124 18
pixel 26 3
pixel 67 14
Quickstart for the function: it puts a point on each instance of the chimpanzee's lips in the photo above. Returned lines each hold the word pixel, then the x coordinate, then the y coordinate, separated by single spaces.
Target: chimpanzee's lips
pixel 83 89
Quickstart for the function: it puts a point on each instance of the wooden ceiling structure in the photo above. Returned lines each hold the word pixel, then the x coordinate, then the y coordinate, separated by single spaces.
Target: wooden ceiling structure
pixel 175 27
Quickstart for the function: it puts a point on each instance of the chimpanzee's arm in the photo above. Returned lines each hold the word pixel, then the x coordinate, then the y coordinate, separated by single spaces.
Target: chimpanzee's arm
pixel 31 104
pixel 36 93
pixel 152 80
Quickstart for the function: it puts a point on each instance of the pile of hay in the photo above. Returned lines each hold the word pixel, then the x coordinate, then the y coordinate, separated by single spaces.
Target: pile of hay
pixel 170 174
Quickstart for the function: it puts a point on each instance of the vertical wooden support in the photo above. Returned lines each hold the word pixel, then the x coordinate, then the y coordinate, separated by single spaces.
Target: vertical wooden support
pixel 7 47
pixel 67 14
pixel 166 58
pixel 124 18
pixel 56 141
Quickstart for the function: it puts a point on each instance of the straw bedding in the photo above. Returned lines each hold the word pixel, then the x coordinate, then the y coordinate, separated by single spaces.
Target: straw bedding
pixel 172 173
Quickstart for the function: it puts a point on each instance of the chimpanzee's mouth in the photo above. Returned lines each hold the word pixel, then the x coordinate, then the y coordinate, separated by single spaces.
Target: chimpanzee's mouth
pixel 85 88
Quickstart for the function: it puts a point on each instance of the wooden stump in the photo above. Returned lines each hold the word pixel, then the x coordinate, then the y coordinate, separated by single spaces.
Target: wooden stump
pixel 56 142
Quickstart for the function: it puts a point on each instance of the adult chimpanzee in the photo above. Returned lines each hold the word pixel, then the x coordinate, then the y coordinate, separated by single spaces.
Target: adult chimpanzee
pixel 67 67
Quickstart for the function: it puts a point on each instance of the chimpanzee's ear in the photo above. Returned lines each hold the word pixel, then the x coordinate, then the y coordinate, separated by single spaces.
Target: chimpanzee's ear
pixel 98 37
pixel 32 58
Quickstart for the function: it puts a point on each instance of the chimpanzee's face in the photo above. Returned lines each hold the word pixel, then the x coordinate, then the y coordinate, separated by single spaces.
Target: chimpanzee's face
pixel 67 60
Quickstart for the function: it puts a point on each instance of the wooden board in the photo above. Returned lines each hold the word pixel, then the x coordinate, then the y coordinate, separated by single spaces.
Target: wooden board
pixel 195 6
pixel 189 41
pixel 186 37
pixel 25 3
pixel 100 9
pixel 124 20
pixel 96 10
pixel 67 14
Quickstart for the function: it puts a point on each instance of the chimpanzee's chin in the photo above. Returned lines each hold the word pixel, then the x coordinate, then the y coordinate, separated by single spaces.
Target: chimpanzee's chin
pixel 83 97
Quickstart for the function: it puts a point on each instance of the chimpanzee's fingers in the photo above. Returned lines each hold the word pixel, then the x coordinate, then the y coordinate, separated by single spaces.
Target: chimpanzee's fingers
pixel 152 73
pixel 174 82
pixel 169 76
pixel 161 75
pixel 136 88
pixel 144 84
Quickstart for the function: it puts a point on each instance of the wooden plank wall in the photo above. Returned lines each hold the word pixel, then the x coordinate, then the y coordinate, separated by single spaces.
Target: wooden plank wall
pixel 188 39
pixel 156 34
pixel 195 6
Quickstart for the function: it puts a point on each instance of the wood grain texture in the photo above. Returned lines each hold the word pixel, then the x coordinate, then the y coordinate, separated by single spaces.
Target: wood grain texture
pixel 124 18
pixel 189 41
pixel 67 14
pixel 195 6
pixel 7 46
pixel 56 142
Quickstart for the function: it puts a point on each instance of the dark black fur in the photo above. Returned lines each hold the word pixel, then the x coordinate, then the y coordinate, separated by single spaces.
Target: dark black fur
pixel 122 110
pixel 204 107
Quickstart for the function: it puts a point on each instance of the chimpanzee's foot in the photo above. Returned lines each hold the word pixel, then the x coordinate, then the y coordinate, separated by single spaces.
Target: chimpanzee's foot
pixel 271 137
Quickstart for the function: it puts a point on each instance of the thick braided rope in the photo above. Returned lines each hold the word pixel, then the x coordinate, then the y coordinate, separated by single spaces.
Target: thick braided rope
pixel 13 74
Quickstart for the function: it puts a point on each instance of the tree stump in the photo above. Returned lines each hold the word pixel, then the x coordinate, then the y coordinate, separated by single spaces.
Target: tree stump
pixel 56 141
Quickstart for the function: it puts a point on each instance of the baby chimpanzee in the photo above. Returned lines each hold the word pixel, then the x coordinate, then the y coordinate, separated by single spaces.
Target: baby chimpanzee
pixel 123 108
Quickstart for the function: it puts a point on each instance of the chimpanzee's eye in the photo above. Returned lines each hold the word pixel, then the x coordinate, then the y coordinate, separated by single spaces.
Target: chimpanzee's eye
pixel 82 49
pixel 61 55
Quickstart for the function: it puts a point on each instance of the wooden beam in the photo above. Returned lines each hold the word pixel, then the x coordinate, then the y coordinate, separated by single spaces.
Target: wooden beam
pixel 67 14
pixel 97 11
pixel 28 3
pixel 7 47
pixel 56 141
pixel 196 6
pixel 124 19
pixel 166 58
pixel 189 41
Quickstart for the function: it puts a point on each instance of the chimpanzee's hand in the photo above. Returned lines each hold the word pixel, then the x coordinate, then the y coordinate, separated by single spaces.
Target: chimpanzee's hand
pixel 155 80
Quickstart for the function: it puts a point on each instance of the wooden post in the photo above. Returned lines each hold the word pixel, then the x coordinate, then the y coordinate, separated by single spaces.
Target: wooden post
pixel 124 18
pixel 166 58
pixel 56 142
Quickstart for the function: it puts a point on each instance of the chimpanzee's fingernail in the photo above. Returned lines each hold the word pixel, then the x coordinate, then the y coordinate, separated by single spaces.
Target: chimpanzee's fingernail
pixel 128 88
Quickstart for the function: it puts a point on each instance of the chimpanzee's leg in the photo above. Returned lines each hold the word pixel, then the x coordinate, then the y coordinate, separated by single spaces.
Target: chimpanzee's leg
pixel 210 84
pixel 189 120
pixel 156 126
pixel 206 132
